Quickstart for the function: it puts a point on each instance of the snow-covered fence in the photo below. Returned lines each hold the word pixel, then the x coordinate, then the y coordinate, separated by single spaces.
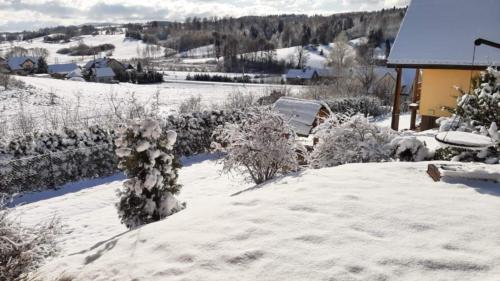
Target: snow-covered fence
pixel 47 160
pixel 46 171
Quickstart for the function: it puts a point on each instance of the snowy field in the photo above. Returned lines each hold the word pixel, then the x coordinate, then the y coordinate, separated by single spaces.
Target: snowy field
pixel 125 48
pixel 379 221
pixel 95 98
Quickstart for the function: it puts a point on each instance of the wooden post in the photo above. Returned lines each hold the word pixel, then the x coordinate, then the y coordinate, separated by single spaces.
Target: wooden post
pixel 397 101
pixel 415 100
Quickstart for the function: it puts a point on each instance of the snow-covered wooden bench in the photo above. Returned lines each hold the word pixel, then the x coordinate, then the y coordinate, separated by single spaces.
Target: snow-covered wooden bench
pixel 473 171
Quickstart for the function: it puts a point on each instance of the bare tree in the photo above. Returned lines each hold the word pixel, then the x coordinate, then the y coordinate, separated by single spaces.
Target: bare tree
pixel 366 76
pixel 340 53
pixel 5 80
pixel 301 56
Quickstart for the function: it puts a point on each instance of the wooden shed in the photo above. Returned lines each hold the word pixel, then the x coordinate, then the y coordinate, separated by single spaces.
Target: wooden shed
pixel 302 115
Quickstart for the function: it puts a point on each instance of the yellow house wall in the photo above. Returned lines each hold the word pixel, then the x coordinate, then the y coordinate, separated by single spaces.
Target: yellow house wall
pixel 438 90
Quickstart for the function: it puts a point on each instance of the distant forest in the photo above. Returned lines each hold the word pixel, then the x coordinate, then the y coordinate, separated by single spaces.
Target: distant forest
pixel 232 37
pixel 252 33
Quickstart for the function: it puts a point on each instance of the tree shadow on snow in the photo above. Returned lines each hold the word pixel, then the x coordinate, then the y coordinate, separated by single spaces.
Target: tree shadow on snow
pixel 480 186
pixel 65 189
pixel 264 184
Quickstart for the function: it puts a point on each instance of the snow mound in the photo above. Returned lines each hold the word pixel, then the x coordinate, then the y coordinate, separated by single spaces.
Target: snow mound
pixel 385 221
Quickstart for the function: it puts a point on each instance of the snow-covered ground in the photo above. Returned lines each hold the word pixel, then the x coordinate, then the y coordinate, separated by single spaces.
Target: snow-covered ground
pixel 379 221
pixel 125 48
pixel 95 97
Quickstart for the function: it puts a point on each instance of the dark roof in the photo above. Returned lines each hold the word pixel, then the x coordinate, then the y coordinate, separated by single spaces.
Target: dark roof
pixel 305 74
pixel 16 62
pixel 62 68
pixel 101 62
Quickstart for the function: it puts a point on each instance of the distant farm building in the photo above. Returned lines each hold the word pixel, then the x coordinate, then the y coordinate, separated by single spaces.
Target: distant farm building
pixel 301 76
pixel 103 75
pixel 61 70
pixel 302 115
pixel 22 65
pixel 438 40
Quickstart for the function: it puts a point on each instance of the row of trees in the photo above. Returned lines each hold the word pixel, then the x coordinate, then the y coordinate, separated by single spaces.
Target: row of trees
pixel 254 33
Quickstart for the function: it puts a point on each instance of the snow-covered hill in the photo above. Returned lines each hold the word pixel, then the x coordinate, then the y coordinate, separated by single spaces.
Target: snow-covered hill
pixel 125 48
pixel 381 221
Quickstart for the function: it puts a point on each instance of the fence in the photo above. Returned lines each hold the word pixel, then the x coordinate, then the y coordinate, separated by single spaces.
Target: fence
pixel 48 171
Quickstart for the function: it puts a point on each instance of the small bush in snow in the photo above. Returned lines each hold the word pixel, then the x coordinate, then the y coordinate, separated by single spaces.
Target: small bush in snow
pixel 145 154
pixel 193 104
pixel 409 149
pixel 351 141
pixel 262 146
pixel 23 248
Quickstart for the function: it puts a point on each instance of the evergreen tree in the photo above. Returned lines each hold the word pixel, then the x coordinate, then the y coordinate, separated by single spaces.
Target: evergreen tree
pixel 146 156
pixel 482 106
pixel 42 66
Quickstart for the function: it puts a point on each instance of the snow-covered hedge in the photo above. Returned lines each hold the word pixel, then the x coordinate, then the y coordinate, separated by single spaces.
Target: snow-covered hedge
pixel 147 158
pixel 47 160
pixel 368 106
pixel 344 139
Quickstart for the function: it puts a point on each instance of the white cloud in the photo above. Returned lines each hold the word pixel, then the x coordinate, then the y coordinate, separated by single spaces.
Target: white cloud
pixel 22 14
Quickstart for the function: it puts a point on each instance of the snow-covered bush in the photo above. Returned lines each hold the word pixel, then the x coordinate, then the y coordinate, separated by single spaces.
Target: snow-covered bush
pixel 368 106
pixel 262 146
pixel 351 141
pixel 23 248
pixel 482 106
pixel 146 156
pixel 195 131
pixel 477 112
pixel 409 149
pixel 193 104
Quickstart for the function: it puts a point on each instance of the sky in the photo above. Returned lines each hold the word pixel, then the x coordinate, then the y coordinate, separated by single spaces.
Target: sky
pixel 16 15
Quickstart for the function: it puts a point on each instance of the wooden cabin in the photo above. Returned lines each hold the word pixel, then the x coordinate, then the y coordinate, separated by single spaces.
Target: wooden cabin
pixel 437 41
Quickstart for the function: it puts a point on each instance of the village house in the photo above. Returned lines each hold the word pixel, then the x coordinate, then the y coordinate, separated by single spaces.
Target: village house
pixel 120 70
pixel 302 115
pixel 102 75
pixel 301 76
pixel 385 83
pixel 22 65
pixel 61 71
pixel 438 40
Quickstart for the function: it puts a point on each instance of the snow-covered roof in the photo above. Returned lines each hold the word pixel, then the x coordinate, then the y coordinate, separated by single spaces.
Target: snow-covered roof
pixel 104 72
pixel 62 68
pixel 306 73
pixel 75 73
pixel 299 113
pixel 16 62
pixel 101 62
pixel 442 33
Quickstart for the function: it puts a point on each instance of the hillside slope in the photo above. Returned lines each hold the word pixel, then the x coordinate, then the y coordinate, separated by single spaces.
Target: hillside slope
pixel 385 221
